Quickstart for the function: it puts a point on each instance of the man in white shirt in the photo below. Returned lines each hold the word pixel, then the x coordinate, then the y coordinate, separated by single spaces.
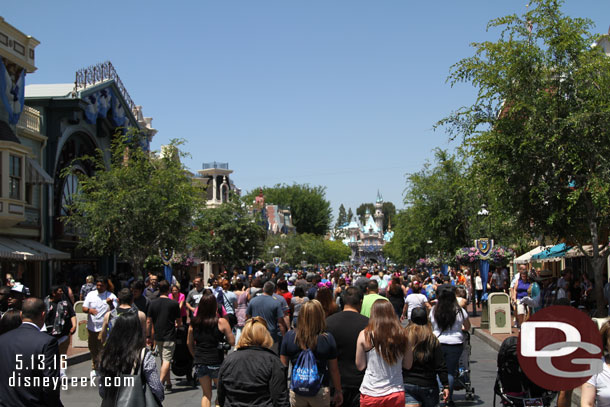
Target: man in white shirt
pixel 97 304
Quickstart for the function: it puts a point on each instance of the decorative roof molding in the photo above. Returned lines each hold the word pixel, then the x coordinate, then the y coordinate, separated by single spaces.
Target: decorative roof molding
pixel 99 73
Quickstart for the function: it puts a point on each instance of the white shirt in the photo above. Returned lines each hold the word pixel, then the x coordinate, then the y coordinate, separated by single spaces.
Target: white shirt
pixel 98 301
pixel 452 336
pixel 601 381
pixel 381 379
pixel 478 283
pixel 415 300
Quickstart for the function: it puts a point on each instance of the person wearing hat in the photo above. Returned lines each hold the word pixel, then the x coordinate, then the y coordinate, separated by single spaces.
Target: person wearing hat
pixel 421 386
pixel 15 297
pixel 548 292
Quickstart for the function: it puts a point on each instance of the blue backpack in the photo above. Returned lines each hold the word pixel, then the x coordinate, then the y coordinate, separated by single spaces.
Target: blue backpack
pixel 306 380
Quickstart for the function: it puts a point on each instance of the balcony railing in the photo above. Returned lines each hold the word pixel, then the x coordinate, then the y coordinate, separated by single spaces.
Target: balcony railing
pixel 222 166
pixel 32 217
pixel 30 119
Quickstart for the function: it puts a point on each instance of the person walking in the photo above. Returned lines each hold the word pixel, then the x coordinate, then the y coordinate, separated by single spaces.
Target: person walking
pixel 164 317
pixel 421 386
pixel 396 294
pixel 242 307
pixel 311 335
pixel 60 320
pixel 383 350
pixel 125 352
pixel 126 304
pixel 87 287
pixel 193 297
pixel 180 298
pixel 205 337
pixel 271 310
pixel 414 300
pixel 253 375
pixel 22 345
pixel 372 295
pixel 345 326
pixel 448 319
pixel 97 304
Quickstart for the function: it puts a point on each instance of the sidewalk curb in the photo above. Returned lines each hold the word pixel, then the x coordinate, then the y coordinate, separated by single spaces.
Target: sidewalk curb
pixel 495 344
pixel 79 358
pixel 487 338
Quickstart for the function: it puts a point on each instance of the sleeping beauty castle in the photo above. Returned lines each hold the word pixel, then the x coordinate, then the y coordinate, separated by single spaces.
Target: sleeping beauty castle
pixel 366 240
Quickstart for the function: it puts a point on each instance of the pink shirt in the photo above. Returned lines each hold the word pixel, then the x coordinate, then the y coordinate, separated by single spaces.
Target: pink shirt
pixel 180 299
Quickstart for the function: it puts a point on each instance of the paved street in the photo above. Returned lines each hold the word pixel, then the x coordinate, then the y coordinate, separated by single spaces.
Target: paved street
pixel 483 365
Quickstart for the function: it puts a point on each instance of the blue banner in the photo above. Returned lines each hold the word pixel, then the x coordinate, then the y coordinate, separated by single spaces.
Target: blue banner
pixel 168 274
pixel 11 93
pixel 445 269
pixel 484 267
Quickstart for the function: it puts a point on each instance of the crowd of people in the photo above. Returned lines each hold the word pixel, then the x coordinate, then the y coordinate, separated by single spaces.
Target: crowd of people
pixel 349 336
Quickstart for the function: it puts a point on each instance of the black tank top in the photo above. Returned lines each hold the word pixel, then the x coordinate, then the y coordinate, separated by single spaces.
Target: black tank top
pixel 206 346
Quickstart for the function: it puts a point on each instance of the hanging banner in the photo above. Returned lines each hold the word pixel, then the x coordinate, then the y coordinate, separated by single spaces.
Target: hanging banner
pixel 445 269
pixel 11 93
pixel 484 268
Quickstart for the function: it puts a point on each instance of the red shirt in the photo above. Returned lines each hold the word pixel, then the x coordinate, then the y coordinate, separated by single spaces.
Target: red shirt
pixel 287 296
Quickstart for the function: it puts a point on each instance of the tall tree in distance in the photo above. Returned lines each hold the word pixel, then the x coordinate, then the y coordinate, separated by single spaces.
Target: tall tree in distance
pixel 311 212
pixel 361 211
pixel 538 129
pixel 350 215
pixel 342 217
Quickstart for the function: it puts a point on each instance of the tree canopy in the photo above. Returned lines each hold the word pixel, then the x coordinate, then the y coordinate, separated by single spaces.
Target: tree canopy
pixel 538 129
pixel 227 234
pixel 308 248
pixel 311 212
pixel 139 205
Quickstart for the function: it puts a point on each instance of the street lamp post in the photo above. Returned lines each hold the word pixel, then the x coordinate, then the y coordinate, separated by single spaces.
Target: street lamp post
pixel 484 213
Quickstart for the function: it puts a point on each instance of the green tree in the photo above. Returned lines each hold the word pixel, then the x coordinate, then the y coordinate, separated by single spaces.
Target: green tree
pixel 313 249
pixel 342 217
pixel 227 234
pixel 538 129
pixel 136 207
pixel 361 211
pixel 311 212
pixel 350 215
pixel 389 211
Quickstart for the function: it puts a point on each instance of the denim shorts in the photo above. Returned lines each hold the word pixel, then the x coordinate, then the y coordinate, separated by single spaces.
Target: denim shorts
pixel 425 396
pixel 205 370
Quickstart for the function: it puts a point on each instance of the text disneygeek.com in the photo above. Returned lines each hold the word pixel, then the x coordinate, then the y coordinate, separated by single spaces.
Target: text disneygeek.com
pixel 17 380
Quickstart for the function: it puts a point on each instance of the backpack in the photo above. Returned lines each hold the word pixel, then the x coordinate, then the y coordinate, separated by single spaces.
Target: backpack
pixel 306 380
pixel 114 315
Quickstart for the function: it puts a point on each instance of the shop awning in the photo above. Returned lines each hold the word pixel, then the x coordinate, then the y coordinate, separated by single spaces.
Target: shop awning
pixel 576 252
pixel 554 253
pixel 35 174
pixel 28 250
pixel 527 257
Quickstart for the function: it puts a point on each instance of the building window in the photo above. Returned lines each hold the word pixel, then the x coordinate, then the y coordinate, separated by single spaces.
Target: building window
pixel 29 193
pixel 15 177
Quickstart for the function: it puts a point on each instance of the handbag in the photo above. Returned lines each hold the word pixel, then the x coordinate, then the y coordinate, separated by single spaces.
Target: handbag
pixel 138 395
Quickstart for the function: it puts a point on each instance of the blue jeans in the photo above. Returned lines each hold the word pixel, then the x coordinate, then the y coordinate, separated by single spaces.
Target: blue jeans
pixel 425 396
pixel 452 355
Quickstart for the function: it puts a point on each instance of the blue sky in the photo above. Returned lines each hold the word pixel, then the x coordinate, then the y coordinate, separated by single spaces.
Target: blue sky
pixel 340 93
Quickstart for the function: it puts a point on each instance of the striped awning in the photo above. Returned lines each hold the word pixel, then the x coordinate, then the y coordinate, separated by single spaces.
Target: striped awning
pixel 28 250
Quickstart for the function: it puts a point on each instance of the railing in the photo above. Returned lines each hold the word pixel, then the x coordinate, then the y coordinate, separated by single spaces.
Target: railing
pixel 222 166
pixel 99 73
pixel 30 119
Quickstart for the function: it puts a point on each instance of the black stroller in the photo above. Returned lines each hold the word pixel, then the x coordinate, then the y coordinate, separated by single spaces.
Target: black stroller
pixel 512 386
pixel 182 361
pixel 462 380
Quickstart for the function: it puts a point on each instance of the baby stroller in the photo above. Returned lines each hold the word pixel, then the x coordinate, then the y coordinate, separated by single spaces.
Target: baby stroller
pixel 182 361
pixel 462 380
pixel 512 386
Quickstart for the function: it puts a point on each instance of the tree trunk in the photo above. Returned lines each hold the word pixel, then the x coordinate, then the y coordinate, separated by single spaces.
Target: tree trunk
pixel 597 263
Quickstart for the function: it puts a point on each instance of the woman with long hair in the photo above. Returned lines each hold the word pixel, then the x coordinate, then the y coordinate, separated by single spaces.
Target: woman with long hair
pixel 448 319
pixel 396 294
pixel 421 387
pixel 242 306
pixel 125 352
pixel 179 297
pixel 206 336
pixel 253 375
pixel 383 350
pixel 325 296
pixel 311 334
